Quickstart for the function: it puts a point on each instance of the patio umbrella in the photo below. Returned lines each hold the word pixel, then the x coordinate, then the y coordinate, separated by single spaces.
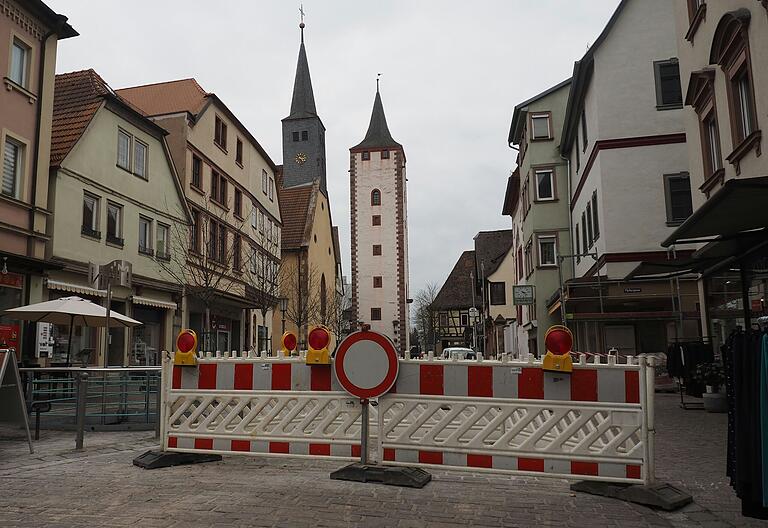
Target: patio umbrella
pixel 71 311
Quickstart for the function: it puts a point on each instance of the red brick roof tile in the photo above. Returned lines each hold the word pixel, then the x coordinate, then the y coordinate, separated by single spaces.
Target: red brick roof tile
pixel 77 97
pixel 295 210
pixel 183 95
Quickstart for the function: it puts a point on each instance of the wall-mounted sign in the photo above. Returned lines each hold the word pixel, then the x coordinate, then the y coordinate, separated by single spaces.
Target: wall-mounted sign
pixel 523 295
pixel 633 290
pixel 12 280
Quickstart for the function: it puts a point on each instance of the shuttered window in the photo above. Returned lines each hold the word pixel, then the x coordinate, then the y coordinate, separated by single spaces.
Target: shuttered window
pixel 12 156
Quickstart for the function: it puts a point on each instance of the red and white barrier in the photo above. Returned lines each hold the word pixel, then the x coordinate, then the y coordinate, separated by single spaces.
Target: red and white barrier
pixel 501 416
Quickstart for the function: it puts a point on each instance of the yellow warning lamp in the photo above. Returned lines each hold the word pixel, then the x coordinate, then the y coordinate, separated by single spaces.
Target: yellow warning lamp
pixel 288 342
pixel 558 341
pixel 319 338
pixel 186 349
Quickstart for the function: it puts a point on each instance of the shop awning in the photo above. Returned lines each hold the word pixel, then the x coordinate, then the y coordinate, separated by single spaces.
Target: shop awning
pixel 670 269
pixel 75 288
pixel 155 303
pixel 738 207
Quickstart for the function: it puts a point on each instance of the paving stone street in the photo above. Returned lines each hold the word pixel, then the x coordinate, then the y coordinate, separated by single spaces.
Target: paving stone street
pixel 99 487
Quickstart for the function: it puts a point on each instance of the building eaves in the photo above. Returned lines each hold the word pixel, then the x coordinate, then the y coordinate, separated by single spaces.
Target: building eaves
pixel 521 111
pixel 55 21
pixel 512 194
pixel 582 75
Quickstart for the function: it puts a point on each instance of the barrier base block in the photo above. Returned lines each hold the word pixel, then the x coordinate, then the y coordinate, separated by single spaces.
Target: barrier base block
pixel 162 459
pixel 662 496
pixel 409 477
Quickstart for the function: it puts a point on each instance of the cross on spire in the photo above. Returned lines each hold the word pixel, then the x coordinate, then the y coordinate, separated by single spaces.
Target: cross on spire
pixel 301 24
pixel 378 76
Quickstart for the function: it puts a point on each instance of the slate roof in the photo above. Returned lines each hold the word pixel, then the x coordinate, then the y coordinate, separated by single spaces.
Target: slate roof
pixel 303 102
pixel 76 99
pixel 457 289
pixel 183 95
pixel 491 247
pixel 297 212
pixel 378 135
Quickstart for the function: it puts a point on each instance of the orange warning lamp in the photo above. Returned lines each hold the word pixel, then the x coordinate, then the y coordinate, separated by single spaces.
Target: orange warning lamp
pixel 289 342
pixel 558 340
pixel 319 338
pixel 186 349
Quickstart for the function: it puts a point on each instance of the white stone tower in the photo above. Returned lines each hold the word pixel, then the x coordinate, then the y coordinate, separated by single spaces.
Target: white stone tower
pixel 380 231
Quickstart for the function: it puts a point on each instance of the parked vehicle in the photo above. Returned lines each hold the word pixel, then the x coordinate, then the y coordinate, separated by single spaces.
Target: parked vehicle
pixel 459 353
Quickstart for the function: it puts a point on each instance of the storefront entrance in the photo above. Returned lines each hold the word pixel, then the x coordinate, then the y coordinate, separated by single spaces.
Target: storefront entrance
pixel 148 337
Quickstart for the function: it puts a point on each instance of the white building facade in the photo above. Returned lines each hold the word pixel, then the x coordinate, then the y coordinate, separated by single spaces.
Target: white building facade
pixel 625 141
pixel 380 232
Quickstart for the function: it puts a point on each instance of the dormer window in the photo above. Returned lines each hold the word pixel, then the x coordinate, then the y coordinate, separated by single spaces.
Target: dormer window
pixel 540 125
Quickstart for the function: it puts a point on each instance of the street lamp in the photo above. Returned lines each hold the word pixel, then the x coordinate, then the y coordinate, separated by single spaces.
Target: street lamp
pixel 283 307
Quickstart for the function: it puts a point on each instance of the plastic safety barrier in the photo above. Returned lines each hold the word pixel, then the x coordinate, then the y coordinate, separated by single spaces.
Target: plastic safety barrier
pixel 259 406
pixel 500 416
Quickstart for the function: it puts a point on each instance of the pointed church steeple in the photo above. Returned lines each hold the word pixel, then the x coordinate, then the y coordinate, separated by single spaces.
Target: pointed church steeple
pixel 378 134
pixel 303 102
pixel 303 131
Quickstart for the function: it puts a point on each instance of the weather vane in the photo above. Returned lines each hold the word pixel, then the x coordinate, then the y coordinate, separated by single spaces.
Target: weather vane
pixel 378 75
pixel 301 11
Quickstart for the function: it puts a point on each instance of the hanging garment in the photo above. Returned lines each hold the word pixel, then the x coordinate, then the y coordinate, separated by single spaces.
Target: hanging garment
pixel 764 411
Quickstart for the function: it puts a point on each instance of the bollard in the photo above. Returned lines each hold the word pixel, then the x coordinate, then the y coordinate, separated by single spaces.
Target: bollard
pixel 82 398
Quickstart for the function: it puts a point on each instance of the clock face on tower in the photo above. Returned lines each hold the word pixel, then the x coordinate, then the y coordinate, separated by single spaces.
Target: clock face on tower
pixel 300 158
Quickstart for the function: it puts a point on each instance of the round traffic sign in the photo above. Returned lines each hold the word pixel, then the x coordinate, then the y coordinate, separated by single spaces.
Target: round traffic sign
pixel 366 364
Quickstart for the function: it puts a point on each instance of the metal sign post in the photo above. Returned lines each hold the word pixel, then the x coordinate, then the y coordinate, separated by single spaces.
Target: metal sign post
pixel 366 365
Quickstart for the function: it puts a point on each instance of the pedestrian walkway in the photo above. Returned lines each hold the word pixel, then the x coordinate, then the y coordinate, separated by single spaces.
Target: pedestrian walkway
pixel 99 487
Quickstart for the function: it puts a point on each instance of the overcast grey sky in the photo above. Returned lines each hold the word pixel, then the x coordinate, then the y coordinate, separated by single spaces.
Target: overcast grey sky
pixel 453 70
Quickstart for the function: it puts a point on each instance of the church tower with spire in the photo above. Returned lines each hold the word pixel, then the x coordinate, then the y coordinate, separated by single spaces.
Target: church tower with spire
pixel 380 231
pixel 303 131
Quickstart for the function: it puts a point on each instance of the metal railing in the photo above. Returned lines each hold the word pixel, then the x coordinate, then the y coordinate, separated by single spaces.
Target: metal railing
pixel 121 398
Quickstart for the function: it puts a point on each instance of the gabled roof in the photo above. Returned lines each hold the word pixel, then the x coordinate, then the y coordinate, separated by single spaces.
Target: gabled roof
pixel 521 111
pixel 297 209
pixel 582 74
pixel 187 96
pixel 457 288
pixel 303 101
pixel 183 95
pixel 378 135
pixel 77 97
pixel 490 249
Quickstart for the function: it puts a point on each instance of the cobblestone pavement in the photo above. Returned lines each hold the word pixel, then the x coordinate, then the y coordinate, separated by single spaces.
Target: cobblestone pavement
pixel 99 487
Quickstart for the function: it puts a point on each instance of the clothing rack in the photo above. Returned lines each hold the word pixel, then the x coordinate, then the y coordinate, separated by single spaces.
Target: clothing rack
pixel 681 385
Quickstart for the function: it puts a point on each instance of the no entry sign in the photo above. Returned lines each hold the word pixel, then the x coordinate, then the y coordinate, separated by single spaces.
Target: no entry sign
pixel 366 364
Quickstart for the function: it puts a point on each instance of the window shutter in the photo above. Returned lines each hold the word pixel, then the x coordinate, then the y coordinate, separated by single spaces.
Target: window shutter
pixel 10 168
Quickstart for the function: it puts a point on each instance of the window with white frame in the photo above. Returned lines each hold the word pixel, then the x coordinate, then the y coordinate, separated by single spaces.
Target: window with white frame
pixel 90 225
pixel 123 150
pixel 114 223
pixel 139 159
pixel 264 181
pixel 162 241
pixel 545 185
pixel 540 123
pixel 20 59
pixel 13 160
pixel 547 250
pixel 145 235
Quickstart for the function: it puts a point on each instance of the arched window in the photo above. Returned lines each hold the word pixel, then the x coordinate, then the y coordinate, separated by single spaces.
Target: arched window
pixel 375 197
pixel 323 299
pixel 730 49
